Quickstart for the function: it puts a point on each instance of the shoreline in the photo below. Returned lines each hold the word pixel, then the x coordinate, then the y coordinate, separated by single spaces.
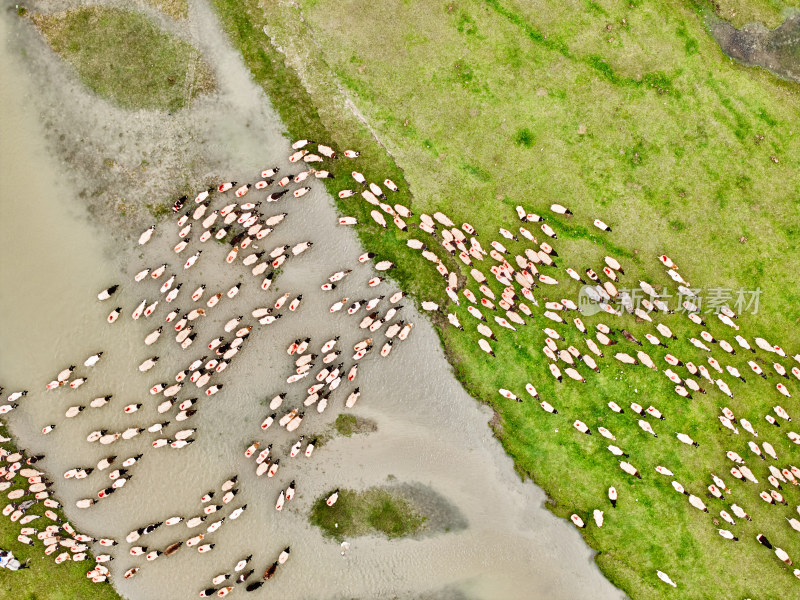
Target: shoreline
pixel 106 215
pixel 327 113
pixel 370 238
pixel 44 576
pixel 756 46
pixel 291 41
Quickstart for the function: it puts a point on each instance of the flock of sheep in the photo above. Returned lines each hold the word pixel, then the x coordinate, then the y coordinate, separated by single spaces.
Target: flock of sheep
pixel 508 286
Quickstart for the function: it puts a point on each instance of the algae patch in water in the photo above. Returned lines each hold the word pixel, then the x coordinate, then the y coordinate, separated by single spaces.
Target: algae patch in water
pixel 125 57
pixel 375 510
pixel 348 425
pixel 177 9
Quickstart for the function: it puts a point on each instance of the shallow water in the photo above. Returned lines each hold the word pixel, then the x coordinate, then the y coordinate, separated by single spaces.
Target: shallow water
pixel 755 45
pixel 430 432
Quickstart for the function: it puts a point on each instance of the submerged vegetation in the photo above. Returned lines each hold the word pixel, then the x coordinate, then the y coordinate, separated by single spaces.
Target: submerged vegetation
pixel 376 510
pixel 624 111
pixel 124 57
pixel 177 9
pixel 160 210
pixel 348 425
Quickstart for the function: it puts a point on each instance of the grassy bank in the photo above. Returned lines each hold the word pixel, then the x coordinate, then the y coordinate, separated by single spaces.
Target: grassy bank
pixel 373 511
pixel 45 580
pixel 627 112
pixel 127 58
pixel 316 117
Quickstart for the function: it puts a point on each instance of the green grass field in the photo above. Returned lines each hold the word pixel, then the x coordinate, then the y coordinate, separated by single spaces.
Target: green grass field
pixel 624 111
pixel 44 580
pixel 125 57
pixel 371 511
pixel 740 12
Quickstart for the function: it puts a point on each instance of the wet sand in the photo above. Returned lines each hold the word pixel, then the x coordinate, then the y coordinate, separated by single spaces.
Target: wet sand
pixel 430 432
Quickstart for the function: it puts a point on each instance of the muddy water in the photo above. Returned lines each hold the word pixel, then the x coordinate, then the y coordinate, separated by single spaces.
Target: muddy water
pixel 431 434
pixel 755 45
